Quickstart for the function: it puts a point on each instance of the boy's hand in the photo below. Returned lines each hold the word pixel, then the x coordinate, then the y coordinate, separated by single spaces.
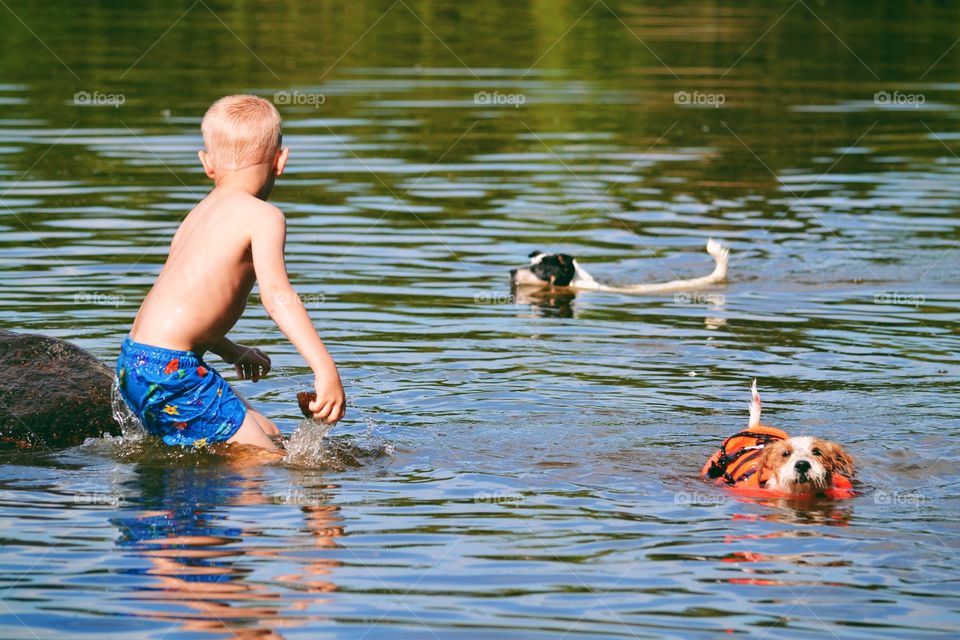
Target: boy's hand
pixel 331 402
pixel 252 364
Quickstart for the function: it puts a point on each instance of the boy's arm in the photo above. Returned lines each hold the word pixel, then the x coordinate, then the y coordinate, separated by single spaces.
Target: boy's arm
pixel 250 362
pixel 268 237
pixel 227 349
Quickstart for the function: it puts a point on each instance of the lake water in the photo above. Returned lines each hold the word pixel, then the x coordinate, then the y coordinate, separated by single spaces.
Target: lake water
pixel 510 466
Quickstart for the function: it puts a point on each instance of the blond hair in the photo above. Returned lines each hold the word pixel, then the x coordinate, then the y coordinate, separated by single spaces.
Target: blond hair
pixel 240 131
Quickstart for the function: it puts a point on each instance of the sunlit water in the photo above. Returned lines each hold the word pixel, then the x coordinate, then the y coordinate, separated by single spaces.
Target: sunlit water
pixel 519 466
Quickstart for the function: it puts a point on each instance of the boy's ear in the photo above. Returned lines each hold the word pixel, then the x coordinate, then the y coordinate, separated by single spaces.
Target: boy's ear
pixel 281 162
pixel 207 163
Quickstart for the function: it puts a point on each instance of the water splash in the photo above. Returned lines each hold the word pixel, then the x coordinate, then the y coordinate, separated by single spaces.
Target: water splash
pixel 130 426
pixel 312 447
pixel 308 445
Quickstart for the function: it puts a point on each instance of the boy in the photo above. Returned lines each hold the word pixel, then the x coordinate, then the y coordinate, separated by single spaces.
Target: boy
pixel 229 241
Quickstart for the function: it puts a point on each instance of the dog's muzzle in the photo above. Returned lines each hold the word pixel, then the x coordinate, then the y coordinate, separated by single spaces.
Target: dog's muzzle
pixel 523 275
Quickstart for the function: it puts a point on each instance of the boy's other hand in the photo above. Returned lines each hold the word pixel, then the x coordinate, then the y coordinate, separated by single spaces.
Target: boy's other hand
pixel 252 364
pixel 331 402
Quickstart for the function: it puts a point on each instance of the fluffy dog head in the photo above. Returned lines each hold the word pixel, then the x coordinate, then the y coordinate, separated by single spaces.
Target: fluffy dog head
pixel 804 465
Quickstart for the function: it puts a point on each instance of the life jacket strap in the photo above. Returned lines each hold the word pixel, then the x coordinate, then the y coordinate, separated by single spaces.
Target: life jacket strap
pixel 718 468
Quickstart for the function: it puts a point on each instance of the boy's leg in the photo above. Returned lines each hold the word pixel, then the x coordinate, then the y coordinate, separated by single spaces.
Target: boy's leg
pixel 266 425
pixel 250 432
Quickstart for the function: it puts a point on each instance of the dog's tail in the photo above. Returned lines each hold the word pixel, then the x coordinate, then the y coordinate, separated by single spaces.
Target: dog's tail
pixel 754 406
pixel 720 253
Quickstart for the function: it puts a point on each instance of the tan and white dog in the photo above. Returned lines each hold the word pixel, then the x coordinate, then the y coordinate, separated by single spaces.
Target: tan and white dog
pixel 766 458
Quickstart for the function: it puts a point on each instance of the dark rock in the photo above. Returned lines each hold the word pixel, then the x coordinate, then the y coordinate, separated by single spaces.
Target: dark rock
pixel 52 393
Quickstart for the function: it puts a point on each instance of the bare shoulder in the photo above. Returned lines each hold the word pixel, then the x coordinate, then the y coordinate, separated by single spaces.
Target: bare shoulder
pixel 254 212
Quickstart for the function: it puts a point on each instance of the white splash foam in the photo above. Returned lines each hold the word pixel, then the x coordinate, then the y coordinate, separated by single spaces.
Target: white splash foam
pixel 130 425
pixel 308 446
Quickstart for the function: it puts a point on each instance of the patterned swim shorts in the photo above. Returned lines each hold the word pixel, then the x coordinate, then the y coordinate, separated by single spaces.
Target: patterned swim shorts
pixel 177 396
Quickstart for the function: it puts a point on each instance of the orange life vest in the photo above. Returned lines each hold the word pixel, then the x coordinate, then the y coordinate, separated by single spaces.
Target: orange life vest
pixel 736 462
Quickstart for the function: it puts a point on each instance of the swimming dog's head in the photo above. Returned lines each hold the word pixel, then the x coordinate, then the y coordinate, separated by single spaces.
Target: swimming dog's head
pixel 803 465
pixel 552 270
pixel 546 269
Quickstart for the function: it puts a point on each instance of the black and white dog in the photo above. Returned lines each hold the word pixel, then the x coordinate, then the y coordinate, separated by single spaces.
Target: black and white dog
pixel 562 270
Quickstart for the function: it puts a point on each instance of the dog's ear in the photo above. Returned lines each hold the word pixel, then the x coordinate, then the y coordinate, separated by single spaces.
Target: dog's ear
pixel 766 456
pixel 564 258
pixel 534 254
pixel 840 460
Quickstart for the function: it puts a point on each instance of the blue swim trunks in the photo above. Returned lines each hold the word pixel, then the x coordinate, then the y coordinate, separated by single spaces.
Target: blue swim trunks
pixel 177 396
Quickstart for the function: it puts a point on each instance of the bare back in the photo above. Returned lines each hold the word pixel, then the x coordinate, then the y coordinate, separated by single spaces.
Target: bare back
pixel 203 287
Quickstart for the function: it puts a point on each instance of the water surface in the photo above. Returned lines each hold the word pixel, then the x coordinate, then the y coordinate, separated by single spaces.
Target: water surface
pixel 524 467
